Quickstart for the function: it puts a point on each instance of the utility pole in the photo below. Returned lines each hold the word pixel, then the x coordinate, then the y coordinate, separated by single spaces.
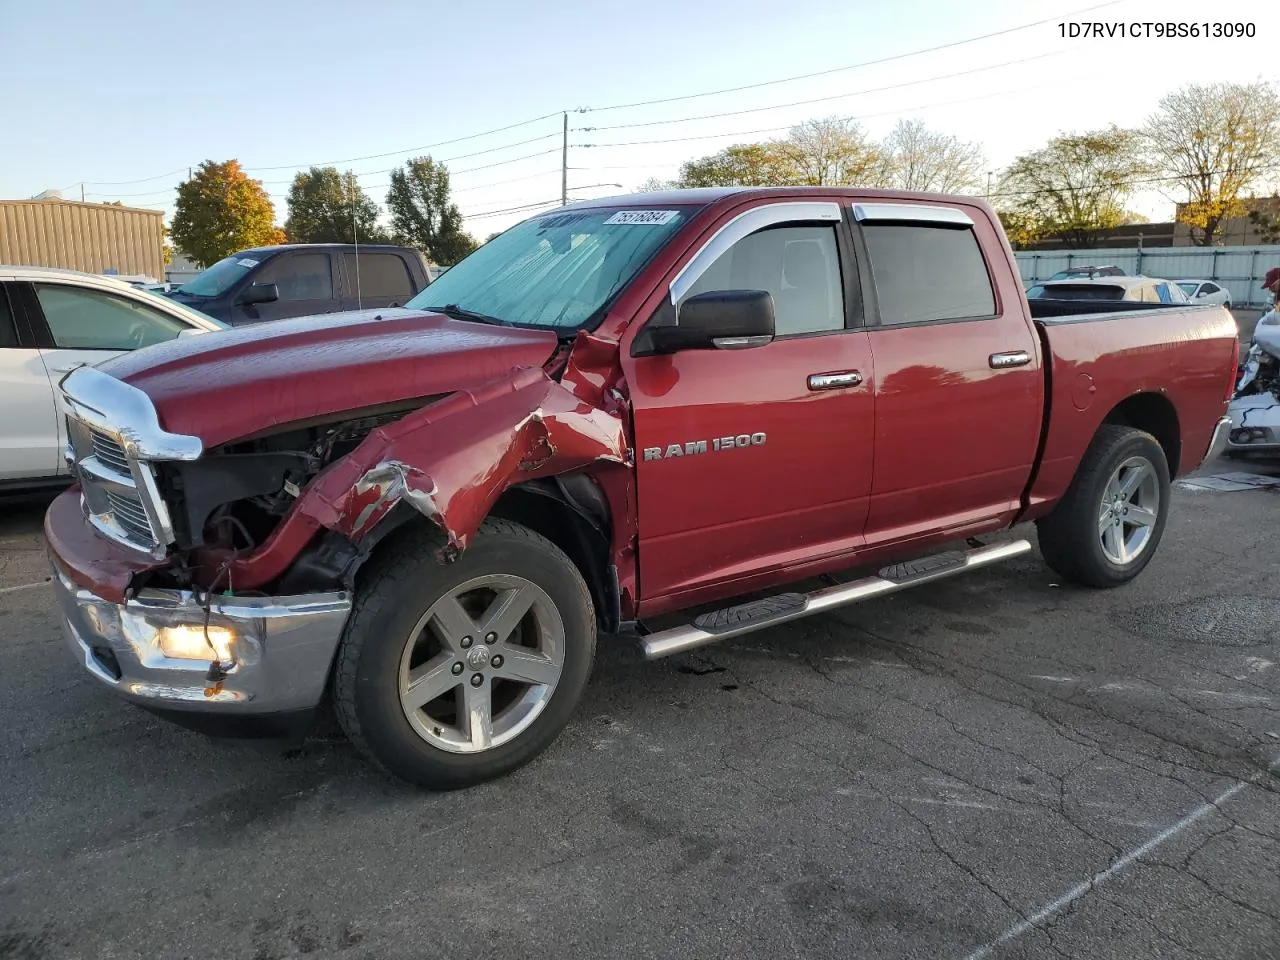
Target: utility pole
pixel 564 163
pixel 988 186
pixel 82 193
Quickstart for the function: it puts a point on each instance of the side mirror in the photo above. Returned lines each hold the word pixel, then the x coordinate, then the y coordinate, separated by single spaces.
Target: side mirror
pixel 719 320
pixel 261 293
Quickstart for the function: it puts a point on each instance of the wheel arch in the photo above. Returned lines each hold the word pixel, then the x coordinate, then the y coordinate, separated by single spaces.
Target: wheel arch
pixel 572 512
pixel 1155 414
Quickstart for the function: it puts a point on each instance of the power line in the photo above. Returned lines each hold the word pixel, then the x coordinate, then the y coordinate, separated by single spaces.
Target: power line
pixel 838 96
pixel 744 133
pixel 370 173
pixel 851 66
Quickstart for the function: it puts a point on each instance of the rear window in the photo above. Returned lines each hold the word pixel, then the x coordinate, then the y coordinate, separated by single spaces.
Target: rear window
pixel 380 275
pixel 925 273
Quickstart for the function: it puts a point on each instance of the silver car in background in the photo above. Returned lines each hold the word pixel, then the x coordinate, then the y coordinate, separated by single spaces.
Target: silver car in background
pixel 52 321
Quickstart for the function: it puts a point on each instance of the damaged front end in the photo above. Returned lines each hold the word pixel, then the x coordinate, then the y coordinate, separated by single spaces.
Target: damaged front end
pixel 204 577
pixel 299 507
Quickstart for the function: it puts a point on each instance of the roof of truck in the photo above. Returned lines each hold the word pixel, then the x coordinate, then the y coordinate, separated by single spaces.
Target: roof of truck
pixel 706 195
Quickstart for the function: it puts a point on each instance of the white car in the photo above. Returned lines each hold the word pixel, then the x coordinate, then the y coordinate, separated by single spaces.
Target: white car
pixel 1143 289
pixel 52 321
pixel 1205 291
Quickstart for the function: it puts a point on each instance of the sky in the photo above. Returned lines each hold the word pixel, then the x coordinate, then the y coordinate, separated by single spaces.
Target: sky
pixel 120 100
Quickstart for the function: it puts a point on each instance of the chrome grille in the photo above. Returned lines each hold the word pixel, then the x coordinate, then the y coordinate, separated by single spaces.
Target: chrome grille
pixel 109 452
pixel 119 493
pixel 131 517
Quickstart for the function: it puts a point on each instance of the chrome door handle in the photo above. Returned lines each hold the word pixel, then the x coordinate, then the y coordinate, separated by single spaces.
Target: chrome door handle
pixel 1014 358
pixel 834 381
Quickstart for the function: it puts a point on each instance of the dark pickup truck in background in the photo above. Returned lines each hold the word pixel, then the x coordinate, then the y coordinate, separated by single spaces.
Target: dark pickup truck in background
pixel 301 279
pixel 659 416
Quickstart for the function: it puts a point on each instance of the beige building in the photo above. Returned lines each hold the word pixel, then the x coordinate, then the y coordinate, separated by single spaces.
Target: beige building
pixel 93 237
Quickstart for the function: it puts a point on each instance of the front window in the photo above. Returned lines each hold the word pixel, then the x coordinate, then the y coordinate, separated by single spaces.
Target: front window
pixel 559 270
pixel 84 319
pixel 220 277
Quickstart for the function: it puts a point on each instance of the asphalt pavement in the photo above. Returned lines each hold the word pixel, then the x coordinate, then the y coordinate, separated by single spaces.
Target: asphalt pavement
pixel 992 766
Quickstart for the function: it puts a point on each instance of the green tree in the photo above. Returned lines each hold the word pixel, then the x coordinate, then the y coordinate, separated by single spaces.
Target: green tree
pixel 219 211
pixel 742 165
pixel 1076 186
pixel 1215 141
pixel 326 206
pixel 424 215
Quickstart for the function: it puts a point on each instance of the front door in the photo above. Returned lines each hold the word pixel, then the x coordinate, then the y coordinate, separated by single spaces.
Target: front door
pixel 83 325
pixel 29 427
pixel 305 281
pixel 749 461
pixel 959 384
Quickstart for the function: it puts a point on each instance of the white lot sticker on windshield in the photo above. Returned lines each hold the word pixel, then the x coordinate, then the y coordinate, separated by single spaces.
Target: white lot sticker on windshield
pixel 246 262
pixel 644 217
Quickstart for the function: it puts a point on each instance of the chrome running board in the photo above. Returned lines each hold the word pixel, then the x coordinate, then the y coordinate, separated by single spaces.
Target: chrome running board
pixel 771 611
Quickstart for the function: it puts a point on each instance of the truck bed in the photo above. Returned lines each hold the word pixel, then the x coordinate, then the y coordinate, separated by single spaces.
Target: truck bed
pixel 1105 358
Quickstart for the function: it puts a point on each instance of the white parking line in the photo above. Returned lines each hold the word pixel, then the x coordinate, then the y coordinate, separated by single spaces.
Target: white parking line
pixel 26 586
pixel 1080 889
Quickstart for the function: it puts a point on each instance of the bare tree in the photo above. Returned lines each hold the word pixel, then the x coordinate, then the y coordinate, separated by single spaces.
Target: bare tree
pixel 832 152
pixel 1215 141
pixel 922 159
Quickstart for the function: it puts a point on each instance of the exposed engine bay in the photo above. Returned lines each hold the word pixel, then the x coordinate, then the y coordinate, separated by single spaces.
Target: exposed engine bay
pixel 233 497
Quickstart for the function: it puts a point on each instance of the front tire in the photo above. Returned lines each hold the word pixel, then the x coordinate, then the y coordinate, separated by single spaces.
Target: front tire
pixel 1107 526
pixel 451 675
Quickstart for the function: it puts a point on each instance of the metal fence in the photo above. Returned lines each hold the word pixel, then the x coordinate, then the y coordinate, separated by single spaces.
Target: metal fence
pixel 1239 269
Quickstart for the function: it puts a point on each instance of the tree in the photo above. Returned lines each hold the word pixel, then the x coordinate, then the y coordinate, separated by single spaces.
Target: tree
pixel 424 215
pixel 496 233
pixel 1076 186
pixel 1267 226
pixel 326 206
pixel 219 211
pixel 918 158
pixel 1215 142
pixel 654 185
pixel 1020 228
pixel 741 165
pixel 832 152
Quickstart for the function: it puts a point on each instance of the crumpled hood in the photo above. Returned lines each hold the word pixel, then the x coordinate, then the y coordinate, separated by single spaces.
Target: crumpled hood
pixel 229 384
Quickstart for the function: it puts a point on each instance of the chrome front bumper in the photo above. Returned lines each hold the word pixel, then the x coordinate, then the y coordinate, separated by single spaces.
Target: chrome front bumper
pixel 280 657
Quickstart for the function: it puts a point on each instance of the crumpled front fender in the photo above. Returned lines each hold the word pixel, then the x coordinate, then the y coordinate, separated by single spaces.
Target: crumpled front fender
pixel 451 462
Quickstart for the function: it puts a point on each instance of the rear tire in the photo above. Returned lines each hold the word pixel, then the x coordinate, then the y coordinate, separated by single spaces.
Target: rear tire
pixel 1107 527
pixel 451 675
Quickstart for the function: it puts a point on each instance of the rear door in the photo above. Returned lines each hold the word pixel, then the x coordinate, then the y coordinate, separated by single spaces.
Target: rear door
pixel 28 427
pixel 958 388
pixel 308 284
pixel 377 279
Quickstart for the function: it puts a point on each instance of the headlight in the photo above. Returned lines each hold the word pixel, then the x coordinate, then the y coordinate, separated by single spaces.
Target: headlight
pixel 195 641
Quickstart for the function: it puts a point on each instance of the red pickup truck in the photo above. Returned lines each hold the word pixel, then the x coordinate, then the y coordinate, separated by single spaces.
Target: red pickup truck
pixel 681 405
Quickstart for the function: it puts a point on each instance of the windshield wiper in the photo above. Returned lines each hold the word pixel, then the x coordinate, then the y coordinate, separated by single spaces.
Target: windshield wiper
pixel 461 313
